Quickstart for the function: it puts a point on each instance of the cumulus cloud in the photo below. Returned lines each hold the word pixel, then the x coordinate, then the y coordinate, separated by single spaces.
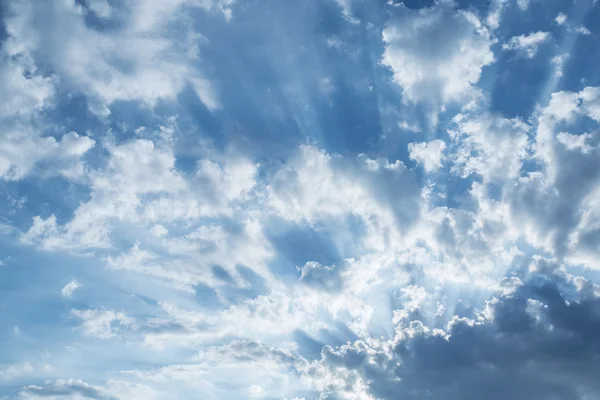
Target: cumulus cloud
pixel 137 63
pixel 489 145
pixel 24 90
pixel 102 324
pixel 22 151
pixel 315 185
pixel 428 154
pixel 446 70
pixel 528 45
pixel 567 185
pixel 508 349
pixel 8 372
pixel 560 18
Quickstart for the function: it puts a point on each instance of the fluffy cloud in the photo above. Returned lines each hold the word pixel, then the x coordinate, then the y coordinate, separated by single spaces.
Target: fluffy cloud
pixel 428 154
pixel 489 145
pixel 8 372
pixel 507 350
pixel 315 186
pixel 141 185
pixel 560 19
pixel 22 151
pixel 528 45
pixel 136 63
pixel 555 203
pixel 102 324
pixel 447 69
pixel 24 90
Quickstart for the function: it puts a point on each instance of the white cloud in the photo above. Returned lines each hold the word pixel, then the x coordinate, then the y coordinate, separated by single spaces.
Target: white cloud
pixel 495 14
pixel 315 185
pixel 137 63
pixel 558 62
pixel 447 69
pixel 256 392
pixel 528 45
pixel 134 169
pixel 159 230
pixel 13 371
pixel 575 142
pixel 22 95
pixel 488 145
pixel 428 154
pixel 141 185
pixel 346 6
pixel 384 289
pixel 405 125
pixel 70 288
pixel 584 31
pixel 560 19
pixel 23 150
pixel 523 4
pixel 554 206
pixel 103 324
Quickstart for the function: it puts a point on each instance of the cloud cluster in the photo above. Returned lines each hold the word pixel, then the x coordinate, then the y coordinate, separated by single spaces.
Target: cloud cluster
pixel 446 70
pixel 454 256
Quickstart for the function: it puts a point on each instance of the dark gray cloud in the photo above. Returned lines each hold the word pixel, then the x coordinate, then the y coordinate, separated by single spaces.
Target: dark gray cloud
pixel 534 345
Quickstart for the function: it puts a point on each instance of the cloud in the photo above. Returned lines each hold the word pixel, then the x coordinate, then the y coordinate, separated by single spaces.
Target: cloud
pixel 583 30
pixel 25 91
pixel 527 45
pixel 447 69
pixel 488 145
pixel 428 154
pixel 508 349
pixel 567 183
pixel 9 372
pixel 22 151
pixel 298 262
pixel 314 273
pixel 559 62
pixel 136 63
pixel 560 19
pixel 523 4
pixel 103 324
pixel 26 147
pixel 70 288
pixel 141 185
pixel 190 259
pixel 362 187
pixel 76 389
pixel 497 7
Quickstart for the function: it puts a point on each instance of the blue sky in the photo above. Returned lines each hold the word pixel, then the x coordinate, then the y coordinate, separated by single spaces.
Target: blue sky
pixel 321 199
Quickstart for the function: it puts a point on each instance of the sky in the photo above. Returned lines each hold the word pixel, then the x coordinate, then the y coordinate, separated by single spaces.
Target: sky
pixel 300 200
